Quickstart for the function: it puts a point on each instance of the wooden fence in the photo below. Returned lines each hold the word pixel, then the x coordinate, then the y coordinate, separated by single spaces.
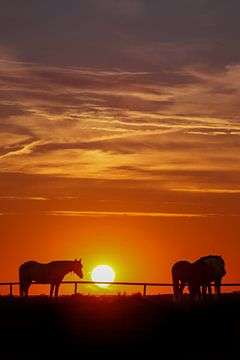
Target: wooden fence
pixel 143 284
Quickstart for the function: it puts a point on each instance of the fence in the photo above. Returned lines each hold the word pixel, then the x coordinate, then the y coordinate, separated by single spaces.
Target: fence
pixel 144 284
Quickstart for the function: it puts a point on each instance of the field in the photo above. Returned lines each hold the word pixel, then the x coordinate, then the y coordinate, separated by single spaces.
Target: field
pixel 116 326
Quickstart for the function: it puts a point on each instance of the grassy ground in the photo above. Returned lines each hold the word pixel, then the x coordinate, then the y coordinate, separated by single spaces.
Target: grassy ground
pixel 113 326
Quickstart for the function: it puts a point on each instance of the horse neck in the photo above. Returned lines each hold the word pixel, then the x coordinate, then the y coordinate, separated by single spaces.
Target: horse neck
pixel 67 266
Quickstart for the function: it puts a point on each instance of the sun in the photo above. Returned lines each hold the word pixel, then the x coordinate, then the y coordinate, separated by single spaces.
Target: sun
pixel 103 273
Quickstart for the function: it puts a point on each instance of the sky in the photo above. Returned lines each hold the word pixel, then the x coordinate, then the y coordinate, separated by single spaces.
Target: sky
pixel 119 134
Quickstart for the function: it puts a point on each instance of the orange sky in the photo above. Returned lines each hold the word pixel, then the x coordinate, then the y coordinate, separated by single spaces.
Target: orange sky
pixel 116 145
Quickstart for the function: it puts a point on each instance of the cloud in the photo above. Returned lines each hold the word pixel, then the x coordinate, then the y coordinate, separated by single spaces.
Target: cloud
pixel 124 213
pixel 35 198
pixel 173 193
pixel 25 150
pixel 123 33
pixel 208 190
pixel 108 101
pixel 114 124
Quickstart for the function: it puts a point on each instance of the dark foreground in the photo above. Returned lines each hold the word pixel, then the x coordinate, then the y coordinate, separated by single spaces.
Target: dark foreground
pixel 127 326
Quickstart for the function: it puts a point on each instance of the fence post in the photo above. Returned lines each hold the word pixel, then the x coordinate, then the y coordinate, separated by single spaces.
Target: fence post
pixel 144 290
pixel 75 288
pixel 11 289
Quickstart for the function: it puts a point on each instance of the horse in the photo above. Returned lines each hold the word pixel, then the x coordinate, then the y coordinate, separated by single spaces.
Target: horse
pixel 204 271
pixel 51 273
pixel 181 273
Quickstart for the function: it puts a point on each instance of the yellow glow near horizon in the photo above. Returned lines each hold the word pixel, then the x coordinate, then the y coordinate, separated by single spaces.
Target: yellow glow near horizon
pixel 103 273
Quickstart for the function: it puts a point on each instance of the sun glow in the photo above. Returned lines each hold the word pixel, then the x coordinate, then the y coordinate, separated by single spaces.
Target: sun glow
pixel 103 273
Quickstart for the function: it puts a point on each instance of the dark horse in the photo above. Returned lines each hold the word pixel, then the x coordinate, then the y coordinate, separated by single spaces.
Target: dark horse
pixel 51 273
pixel 198 276
pixel 204 271
pixel 181 272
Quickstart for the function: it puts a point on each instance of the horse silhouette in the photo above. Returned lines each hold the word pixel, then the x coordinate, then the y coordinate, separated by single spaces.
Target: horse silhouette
pixel 198 276
pixel 51 273
pixel 204 271
pixel 181 273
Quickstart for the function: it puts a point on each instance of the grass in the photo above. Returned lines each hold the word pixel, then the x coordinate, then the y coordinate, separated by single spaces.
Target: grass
pixel 112 325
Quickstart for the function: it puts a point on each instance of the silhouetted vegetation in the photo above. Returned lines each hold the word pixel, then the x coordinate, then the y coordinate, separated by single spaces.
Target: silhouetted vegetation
pixel 116 325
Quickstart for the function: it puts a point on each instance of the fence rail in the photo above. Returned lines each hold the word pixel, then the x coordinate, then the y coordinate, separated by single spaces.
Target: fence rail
pixel 144 284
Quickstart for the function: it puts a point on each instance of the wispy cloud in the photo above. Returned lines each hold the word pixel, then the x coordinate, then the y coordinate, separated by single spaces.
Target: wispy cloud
pixel 124 213
pixel 25 150
pixel 208 190
pixel 34 198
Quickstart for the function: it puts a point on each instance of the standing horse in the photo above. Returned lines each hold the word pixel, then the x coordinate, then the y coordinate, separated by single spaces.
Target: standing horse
pixel 204 271
pixel 181 273
pixel 51 273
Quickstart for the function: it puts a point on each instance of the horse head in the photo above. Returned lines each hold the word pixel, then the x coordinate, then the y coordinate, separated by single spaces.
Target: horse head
pixel 77 268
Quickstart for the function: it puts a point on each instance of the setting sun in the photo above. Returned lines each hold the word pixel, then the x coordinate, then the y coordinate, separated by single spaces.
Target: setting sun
pixel 103 273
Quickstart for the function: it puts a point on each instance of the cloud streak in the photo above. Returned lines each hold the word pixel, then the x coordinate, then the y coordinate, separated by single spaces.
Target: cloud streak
pixel 25 150
pixel 125 213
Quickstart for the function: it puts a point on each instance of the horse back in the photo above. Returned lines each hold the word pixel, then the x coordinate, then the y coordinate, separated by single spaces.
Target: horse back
pixel 26 266
pixel 41 273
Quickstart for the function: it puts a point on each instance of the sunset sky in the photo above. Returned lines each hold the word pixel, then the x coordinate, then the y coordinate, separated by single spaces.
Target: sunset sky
pixel 119 134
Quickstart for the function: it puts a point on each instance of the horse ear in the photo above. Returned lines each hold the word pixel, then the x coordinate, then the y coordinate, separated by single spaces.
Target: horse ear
pixel 75 259
pixel 80 260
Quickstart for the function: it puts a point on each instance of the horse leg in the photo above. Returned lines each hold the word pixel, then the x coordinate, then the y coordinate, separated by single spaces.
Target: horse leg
pixel 22 284
pixel 21 290
pixel 26 288
pixel 51 290
pixel 56 290
pixel 209 291
pixel 191 291
pixel 197 292
pixel 218 288
pixel 181 288
pixel 204 291
pixel 176 290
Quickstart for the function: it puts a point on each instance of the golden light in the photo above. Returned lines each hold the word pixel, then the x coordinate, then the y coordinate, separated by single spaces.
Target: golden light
pixel 103 273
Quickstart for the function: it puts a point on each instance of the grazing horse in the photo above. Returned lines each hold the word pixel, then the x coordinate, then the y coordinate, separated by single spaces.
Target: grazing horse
pixel 51 273
pixel 181 273
pixel 204 271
